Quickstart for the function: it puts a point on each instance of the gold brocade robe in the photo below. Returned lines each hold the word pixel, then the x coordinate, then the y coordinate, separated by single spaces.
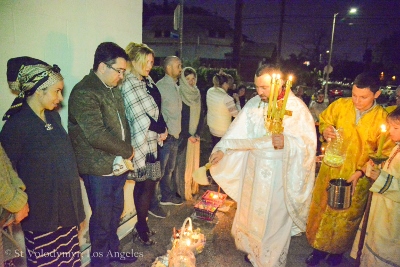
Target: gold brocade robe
pixel 331 230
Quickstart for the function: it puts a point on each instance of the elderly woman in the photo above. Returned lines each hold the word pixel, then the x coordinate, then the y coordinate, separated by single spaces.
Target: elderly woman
pixel 41 152
pixel 191 124
pixel 221 106
pixel 142 102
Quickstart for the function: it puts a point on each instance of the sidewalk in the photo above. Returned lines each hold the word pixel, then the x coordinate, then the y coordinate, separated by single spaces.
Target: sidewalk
pixel 220 249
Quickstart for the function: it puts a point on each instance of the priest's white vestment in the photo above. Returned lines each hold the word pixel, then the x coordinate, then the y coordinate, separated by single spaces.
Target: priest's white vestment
pixel 272 188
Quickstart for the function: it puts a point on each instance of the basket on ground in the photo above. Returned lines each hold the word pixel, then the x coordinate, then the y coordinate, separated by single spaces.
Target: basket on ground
pixel 214 197
pixel 205 210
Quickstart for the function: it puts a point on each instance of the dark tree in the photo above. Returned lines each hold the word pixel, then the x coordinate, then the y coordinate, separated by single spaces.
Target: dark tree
pixel 386 56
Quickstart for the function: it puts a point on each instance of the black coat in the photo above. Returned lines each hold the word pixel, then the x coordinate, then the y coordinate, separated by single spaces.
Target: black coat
pixel 45 161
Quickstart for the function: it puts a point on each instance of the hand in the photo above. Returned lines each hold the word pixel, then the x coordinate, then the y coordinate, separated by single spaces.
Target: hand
pixel 193 139
pixel 374 173
pixel 22 214
pixel 354 179
pixel 329 133
pixel 164 135
pixel 236 97
pixel 216 157
pixel 278 141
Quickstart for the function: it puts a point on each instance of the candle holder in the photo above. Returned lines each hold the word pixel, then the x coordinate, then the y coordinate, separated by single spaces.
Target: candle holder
pixel 378 159
pixel 274 125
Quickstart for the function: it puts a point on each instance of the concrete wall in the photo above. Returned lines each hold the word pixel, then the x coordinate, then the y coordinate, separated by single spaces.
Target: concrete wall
pixel 63 32
pixel 66 33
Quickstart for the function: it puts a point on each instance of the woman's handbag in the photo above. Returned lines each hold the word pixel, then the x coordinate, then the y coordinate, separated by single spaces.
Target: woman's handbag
pixel 153 170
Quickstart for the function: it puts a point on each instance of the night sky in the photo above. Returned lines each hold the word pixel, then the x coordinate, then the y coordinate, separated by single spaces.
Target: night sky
pixel 375 20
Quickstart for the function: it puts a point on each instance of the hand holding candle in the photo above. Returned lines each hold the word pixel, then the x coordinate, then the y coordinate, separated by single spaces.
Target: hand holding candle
pixel 382 140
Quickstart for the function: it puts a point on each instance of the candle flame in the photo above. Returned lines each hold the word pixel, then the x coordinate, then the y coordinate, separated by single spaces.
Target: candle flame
pixel 383 128
pixel 278 76
pixel 290 78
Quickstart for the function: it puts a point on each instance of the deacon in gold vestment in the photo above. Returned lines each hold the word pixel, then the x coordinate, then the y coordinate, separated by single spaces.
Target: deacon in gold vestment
pixel 331 231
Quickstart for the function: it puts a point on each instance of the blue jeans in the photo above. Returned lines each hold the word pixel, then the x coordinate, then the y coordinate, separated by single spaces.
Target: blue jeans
pixel 168 154
pixel 106 199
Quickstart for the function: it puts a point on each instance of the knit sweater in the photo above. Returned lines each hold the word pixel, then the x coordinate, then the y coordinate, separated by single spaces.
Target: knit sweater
pixel 171 104
pixel 12 195
pixel 221 108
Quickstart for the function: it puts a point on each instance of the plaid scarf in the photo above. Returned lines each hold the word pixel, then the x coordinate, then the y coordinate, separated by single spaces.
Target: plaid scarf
pixel 139 104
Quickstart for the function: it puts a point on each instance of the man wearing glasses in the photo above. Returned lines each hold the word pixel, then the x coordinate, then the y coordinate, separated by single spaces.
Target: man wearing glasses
pixel 100 132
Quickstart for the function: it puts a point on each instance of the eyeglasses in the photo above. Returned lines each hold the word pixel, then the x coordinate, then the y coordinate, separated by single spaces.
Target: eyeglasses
pixel 117 70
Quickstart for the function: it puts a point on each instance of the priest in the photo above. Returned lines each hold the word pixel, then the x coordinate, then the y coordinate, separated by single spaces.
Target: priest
pixel 271 176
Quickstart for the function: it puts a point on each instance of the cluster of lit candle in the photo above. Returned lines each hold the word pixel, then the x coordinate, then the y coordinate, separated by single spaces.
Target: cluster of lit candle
pixel 276 111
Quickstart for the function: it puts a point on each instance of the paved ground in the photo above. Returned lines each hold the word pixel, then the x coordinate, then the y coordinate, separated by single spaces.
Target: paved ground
pixel 219 250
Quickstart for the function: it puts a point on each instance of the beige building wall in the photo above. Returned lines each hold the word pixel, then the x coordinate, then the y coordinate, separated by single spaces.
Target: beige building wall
pixel 63 32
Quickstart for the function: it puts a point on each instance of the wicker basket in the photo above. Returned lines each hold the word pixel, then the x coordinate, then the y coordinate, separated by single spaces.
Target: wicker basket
pixel 214 197
pixel 205 210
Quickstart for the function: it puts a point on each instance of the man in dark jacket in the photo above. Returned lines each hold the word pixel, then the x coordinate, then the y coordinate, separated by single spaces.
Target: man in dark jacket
pixel 99 132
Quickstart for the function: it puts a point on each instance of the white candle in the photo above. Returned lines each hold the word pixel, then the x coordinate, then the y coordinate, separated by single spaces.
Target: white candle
pixel 381 140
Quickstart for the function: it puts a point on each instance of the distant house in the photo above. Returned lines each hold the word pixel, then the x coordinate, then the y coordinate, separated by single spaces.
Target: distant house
pixel 207 38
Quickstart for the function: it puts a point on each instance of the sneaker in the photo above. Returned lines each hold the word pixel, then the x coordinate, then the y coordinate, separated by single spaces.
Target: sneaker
pixel 171 201
pixel 158 212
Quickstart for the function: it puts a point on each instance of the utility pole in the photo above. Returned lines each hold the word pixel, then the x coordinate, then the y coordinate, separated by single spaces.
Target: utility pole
pixel 278 60
pixel 181 31
pixel 329 68
pixel 237 39
pixel 178 26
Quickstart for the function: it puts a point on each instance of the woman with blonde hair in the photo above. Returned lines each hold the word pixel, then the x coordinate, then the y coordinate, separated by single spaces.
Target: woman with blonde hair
pixel 221 106
pixel 142 102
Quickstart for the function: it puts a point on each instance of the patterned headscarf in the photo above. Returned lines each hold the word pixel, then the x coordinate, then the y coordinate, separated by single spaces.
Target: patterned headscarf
pixel 25 75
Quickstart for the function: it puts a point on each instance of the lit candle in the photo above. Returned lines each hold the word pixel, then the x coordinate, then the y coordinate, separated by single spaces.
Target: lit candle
pixel 322 151
pixel 381 140
pixel 271 95
pixel 285 98
pixel 276 93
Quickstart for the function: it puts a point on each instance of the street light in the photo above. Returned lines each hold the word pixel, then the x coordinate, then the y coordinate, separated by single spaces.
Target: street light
pixel 329 68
